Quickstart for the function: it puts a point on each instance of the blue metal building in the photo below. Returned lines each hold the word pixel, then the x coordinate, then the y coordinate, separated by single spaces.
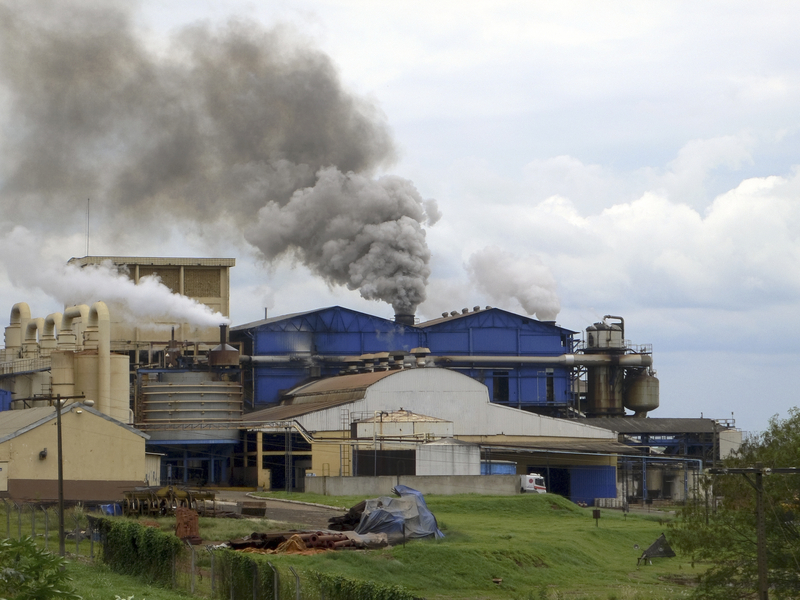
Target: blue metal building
pixel 288 350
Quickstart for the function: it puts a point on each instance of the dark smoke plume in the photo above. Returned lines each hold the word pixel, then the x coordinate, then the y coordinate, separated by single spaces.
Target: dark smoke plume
pixel 233 122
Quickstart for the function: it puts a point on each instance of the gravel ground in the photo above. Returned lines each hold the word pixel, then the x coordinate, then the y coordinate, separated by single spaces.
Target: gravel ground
pixel 308 517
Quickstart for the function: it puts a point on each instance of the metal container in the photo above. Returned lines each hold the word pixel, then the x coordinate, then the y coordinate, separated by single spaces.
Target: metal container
pixel 641 394
pixel 604 391
pixel 192 398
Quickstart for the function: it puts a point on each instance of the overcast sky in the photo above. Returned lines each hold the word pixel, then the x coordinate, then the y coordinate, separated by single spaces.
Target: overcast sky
pixel 626 158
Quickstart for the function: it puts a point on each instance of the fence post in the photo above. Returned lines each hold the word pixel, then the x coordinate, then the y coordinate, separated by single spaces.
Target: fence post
pixel 296 583
pixel 191 577
pixel 33 522
pixel 90 529
pixel 46 527
pixel 8 518
pixel 321 588
pixel 77 534
pixel 276 590
pixel 211 552
pixel 19 520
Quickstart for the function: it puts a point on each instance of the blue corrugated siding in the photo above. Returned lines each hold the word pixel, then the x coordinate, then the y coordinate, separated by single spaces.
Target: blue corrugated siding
pixel 282 342
pixel 494 341
pixel 271 382
pixel 449 343
pixel 379 341
pixel 588 483
pixel 540 344
pixel 339 331
pixel 5 400
pixel 338 343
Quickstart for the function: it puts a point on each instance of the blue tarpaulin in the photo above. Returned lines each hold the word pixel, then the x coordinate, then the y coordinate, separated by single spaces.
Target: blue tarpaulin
pixel 406 517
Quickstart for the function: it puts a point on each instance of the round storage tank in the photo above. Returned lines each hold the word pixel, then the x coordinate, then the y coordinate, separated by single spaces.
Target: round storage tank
pixel 120 388
pixel 86 377
pixel 191 397
pixel 62 369
pixel 655 482
pixel 642 394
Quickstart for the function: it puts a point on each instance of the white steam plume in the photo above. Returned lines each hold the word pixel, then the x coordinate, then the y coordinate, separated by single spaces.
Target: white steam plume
pixel 503 276
pixel 150 301
pixel 231 120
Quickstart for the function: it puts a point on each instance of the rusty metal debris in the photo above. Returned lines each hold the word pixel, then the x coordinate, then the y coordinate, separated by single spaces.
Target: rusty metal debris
pixel 166 500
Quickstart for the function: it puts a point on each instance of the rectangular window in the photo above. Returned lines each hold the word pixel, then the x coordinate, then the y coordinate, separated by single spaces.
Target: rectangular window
pixel 500 387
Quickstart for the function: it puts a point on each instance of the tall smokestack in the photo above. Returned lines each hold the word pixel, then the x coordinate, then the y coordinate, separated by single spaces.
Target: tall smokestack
pixel 404 319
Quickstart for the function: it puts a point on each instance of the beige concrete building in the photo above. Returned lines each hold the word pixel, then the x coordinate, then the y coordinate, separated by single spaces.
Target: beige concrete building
pixel 102 457
pixel 206 280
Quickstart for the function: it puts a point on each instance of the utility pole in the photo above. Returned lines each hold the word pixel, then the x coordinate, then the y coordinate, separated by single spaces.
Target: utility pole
pixel 758 471
pixel 61 547
pixel 59 399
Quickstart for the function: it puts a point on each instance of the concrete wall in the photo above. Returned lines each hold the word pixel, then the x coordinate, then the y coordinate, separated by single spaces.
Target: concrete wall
pixel 448 459
pixel 444 485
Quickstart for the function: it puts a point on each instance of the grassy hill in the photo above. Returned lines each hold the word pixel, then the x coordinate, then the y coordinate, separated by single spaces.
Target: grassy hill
pixel 540 546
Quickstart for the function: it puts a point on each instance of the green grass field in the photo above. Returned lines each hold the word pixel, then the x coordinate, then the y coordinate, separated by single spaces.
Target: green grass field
pixel 540 546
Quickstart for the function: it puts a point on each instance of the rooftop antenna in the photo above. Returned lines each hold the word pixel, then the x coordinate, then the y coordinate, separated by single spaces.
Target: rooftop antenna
pixel 87 227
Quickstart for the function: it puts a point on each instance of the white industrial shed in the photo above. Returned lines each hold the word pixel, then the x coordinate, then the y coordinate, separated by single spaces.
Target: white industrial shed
pixel 342 423
pixel 442 393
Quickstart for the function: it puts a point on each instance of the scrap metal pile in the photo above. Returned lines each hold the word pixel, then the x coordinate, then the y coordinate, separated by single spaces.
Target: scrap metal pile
pixel 369 524
pixel 166 500
pixel 293 542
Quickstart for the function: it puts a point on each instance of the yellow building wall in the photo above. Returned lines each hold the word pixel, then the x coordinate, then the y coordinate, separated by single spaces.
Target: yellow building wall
pixel 94 449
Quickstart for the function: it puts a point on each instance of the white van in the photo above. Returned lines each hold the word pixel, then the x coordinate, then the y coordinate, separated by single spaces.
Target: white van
pixel 532 483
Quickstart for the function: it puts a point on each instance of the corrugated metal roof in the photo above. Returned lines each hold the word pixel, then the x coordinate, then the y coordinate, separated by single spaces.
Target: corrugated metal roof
pixel 285 412
pixel 155 261
pixel 403 416
pixel 17 422
pixel 572 445
pixel 472 313
pixel 458 315
pixel 342 383
pixel 277 319
pixel 655 426
pixel 14 422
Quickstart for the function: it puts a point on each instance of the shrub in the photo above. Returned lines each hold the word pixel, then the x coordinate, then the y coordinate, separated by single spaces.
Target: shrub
pixel 29 573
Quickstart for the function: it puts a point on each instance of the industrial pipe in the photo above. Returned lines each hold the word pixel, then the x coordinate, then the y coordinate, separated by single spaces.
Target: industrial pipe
pixel 588 360
pixel 52 327
pixel 30 347
pixel 67 336
pixel 625 360
pixel 98 333
pixel 280 358
pixel 20 315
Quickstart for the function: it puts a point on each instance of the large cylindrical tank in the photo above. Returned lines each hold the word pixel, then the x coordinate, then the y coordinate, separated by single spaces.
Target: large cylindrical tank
pixel 655 482
pixel 604 336
pixel 120 401
pixel 604 391
pixel 86 377
pixel 62 370
pixel 191 397
pixel 641 394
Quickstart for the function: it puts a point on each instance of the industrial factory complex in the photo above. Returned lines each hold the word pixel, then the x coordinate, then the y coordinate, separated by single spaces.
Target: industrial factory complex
pixel 318 398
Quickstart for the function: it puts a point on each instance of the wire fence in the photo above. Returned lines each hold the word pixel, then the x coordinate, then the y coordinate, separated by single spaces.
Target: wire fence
pixel 212 572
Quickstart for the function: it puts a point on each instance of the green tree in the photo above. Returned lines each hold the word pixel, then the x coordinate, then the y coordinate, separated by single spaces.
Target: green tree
pixel 29 573
pixel 724 535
